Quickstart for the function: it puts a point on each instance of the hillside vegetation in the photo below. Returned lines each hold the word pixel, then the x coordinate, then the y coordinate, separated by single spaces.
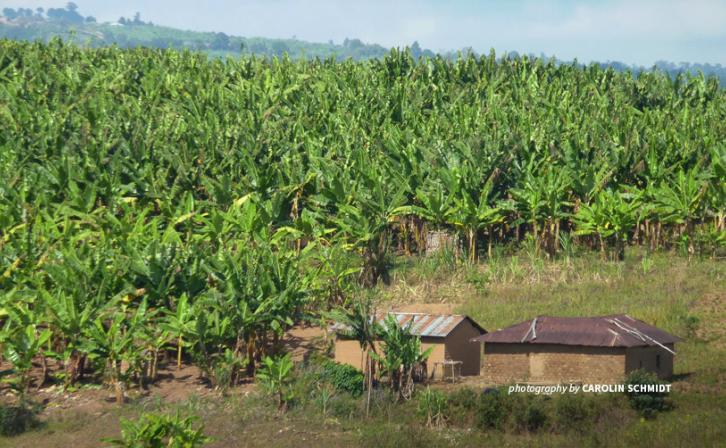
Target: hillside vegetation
pixel 71 26
pixel 160 201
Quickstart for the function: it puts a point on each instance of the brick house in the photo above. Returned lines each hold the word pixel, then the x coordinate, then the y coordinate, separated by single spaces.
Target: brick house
pixel 450 335
pixel 576 349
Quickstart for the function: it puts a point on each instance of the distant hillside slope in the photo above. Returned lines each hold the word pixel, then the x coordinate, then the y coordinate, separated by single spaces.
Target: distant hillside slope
pixel 135 33
pixel 38 24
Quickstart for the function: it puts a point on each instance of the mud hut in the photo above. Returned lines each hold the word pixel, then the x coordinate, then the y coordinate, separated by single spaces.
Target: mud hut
pixel 576 349
pixel 450 335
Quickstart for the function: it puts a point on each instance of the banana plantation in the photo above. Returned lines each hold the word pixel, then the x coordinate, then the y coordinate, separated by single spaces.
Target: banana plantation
pixel 163 205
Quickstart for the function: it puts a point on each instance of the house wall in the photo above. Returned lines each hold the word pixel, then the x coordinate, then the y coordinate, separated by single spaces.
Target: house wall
pixel 459 348
pixel 647 358
pixel 438 354
pixel 545 363
pixel 349 352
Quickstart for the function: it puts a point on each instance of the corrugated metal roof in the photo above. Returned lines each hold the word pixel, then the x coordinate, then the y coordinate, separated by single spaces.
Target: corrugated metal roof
pixel 424 324
pixel 618 330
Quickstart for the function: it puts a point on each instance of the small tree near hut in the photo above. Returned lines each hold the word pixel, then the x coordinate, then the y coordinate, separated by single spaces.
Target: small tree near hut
pixel 401 357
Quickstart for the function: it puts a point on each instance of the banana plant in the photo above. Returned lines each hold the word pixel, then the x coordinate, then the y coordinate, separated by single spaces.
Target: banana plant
pixel 275 376
pixel 434 204
pixel 156 340
pixel 359 322
pixel 69 321
pixel 401 355
pixel 471 215
pixel 680 201
pixel 364 223
pixel 109 342
pixel 180 324
pixel 612 214
pixel 332 276
pixel 21 346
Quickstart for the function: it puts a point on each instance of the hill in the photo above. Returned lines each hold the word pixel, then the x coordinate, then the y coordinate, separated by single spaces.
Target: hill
pixel 69 24
pixel 129 33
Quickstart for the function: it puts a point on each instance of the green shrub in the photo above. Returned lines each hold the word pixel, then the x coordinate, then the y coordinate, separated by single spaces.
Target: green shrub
pixel 572 412
pixel 462 404
pixel 16 419
pixel 432 406
pixel 479 280
pixel 465 398
pixel 344 377
pixel 691 324
pixel 160 431
pixel 648 404
pixel 490 409
pixel 527 412
pixel 535 417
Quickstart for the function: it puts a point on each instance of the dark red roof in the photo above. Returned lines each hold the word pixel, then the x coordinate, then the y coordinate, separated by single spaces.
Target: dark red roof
pixel 619 330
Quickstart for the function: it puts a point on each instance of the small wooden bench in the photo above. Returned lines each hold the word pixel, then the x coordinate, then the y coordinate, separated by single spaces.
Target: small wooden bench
pixel 454 369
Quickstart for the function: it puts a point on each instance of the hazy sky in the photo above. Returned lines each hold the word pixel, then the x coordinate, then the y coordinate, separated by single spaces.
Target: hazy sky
pixel 634 31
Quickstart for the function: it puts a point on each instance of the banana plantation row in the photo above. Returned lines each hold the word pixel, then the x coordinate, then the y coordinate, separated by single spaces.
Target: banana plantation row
pixel 155 201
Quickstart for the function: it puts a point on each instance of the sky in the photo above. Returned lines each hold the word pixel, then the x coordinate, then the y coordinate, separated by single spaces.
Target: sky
pixel 631 31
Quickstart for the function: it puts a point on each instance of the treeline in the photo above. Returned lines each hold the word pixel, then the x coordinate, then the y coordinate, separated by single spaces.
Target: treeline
pixel 67 15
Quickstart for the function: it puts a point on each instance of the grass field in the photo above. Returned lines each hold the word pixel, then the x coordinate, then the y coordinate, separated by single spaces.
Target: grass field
pixel 685 297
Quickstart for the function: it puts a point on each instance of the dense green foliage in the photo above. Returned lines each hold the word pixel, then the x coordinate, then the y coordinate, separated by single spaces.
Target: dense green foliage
pixel 648 404
pixel 344 378
pixel 157 199
pixel 401 358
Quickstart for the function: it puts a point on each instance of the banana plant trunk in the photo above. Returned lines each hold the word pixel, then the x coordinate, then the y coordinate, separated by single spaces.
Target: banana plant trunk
pixel 116 380
pixel 472 245
pixel 251 355
pixel 557 236
pixel 370 383
pixel 179 353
